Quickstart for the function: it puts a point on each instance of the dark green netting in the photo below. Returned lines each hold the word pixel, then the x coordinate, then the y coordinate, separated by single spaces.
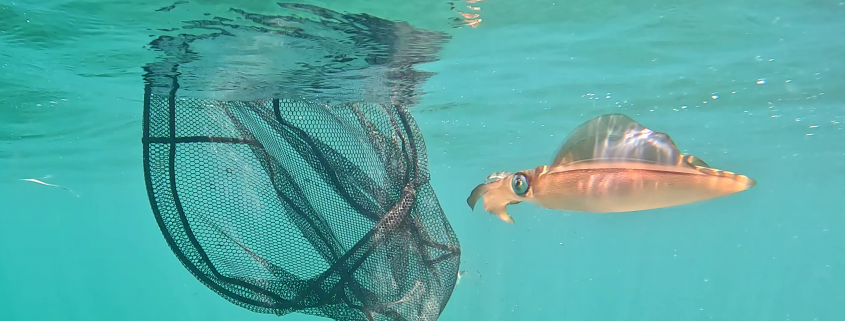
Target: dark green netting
pixel 321 207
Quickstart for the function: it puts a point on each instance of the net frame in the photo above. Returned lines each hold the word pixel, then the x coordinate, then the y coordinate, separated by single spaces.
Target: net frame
pixel 414 227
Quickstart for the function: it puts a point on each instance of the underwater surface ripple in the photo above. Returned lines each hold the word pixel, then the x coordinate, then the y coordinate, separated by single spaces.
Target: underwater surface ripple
pixel 749 86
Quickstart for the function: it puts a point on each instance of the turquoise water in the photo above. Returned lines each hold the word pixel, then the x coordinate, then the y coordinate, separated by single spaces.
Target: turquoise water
pixel 752 87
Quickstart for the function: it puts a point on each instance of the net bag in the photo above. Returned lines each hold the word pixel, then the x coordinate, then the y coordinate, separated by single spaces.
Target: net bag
pixel 281 206
pixel 293 205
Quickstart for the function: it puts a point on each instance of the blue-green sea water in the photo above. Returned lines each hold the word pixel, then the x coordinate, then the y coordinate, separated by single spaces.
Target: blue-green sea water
pixel 750 86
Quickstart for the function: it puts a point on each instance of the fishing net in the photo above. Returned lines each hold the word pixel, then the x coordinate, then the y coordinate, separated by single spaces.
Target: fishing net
pixel 292 205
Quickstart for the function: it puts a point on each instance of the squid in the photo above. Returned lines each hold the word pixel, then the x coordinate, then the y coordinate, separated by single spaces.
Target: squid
pixel 610 164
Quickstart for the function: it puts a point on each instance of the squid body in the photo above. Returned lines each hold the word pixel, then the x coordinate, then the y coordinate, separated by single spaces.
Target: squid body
pixel 610 164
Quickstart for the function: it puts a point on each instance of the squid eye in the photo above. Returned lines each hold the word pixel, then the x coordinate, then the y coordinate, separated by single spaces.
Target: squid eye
pixel 519 184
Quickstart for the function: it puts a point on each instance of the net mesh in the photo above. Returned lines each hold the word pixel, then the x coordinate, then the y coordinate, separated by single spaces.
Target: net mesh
pixel 287 206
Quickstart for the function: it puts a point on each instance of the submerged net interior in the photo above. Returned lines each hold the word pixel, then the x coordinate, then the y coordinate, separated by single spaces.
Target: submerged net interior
pixel 282 206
